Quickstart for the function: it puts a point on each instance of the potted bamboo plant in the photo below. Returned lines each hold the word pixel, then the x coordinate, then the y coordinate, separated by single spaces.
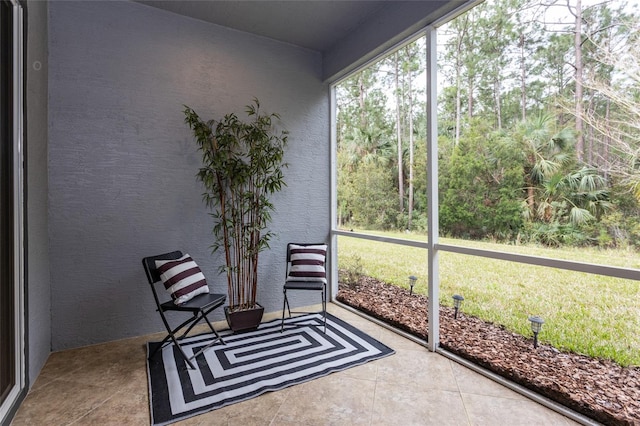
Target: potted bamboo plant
pixel 242 166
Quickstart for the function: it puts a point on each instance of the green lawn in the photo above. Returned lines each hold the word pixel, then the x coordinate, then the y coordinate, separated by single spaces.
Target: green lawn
pixel 589 314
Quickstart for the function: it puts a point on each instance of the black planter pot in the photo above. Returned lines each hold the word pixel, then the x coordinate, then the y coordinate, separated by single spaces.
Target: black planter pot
pixel 244 320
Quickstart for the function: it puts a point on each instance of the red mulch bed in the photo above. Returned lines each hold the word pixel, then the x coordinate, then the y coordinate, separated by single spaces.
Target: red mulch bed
pixel 597 388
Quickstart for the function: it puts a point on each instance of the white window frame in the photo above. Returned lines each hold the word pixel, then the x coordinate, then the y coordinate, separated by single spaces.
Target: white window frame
pixel 432 245
pixel 18 211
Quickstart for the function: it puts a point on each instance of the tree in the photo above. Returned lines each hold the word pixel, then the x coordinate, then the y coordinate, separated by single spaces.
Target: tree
pixel 496 30
pixel 510 80
pixel 554 69
pixel 545 152
pixel 575 198
pixel 363 133
pixel 370 200
pixel 615 84
pixel 577 13
pixel 480 187
pixel 455 54
pixel 399 133
pixel 413 64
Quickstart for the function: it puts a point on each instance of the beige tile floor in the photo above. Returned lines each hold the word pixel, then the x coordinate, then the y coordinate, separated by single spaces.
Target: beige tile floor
pixel 107 385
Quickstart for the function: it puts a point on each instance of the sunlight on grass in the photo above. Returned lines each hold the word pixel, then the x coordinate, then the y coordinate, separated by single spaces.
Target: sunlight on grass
pixel 588 314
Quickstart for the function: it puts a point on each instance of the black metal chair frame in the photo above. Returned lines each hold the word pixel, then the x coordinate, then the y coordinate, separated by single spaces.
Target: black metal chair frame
pixel 200 306
pixel 303 285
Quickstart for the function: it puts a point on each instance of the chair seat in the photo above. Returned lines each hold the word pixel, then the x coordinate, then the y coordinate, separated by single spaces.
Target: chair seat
pixel 305 270
pixel 199 307
pixel 304 285
pixel 203 302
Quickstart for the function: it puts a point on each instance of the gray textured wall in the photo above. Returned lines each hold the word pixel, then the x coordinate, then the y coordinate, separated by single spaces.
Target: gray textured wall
pixel 37 286
pixel 122 163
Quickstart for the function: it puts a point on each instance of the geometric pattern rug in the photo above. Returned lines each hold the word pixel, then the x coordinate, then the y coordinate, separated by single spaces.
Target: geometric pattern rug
pixel 252 363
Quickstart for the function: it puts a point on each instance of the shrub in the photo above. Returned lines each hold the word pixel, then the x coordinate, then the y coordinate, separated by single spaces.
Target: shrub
pixel 351 270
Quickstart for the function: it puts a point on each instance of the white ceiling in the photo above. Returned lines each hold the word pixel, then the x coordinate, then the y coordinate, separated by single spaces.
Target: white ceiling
pixel 313 24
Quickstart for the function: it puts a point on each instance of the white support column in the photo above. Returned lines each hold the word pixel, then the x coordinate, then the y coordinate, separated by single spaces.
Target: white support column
pixel 333 244
pixel 432 190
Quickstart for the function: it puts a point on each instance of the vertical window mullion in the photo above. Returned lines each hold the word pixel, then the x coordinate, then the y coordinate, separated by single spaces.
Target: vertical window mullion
pixel 432 191
pixel 7 291
pixel 333 259
pixel 12 345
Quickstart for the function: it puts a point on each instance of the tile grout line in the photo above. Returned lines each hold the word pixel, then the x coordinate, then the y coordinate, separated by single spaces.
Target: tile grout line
pixel 466 410
pixel 373 401
pixel 528 394
pixel 92 409
pixel 275 415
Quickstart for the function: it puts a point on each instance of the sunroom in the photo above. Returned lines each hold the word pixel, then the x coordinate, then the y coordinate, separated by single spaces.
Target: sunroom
pixel 101 170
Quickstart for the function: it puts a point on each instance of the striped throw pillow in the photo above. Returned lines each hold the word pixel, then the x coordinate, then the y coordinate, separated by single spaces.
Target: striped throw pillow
pixel 308 263
pixel 182 278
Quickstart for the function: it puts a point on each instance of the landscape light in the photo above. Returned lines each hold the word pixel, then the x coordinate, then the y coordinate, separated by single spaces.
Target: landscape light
pixel 457 301
pixel 536 326
pixel 412 282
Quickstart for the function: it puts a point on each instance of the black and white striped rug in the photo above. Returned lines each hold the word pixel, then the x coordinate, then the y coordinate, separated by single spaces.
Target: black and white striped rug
pixel 250 364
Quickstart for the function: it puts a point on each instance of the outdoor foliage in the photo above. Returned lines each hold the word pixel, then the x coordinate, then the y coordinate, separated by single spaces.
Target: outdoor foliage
pixel 481 193
pixel 538 121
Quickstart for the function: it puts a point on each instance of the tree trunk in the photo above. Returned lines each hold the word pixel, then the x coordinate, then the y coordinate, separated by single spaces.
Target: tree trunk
pixel 607 140
pixel 399 138
pixel 498 101
pixel 461 35
pixel 410 113
pixel 458 110
pixel 469 98
pixel 361 96
pixel 591 111
pixel 579 83
pixel 523 83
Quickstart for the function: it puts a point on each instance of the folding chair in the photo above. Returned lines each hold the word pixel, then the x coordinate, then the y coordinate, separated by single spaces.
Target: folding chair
pixel 305 271
pixel 199 307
